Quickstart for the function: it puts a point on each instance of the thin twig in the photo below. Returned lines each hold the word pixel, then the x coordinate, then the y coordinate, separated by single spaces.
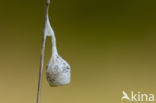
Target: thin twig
pixel 42 51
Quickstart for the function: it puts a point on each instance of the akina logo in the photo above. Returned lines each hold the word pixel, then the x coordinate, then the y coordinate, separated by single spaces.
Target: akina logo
pixel 137 97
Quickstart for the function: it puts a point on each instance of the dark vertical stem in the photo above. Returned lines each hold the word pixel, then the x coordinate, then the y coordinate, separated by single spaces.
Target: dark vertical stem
pixel 42 52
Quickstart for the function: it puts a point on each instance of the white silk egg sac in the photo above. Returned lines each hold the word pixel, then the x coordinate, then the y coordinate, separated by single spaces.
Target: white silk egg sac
pixel 58 71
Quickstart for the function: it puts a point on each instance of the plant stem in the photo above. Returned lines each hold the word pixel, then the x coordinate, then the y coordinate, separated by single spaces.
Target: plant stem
pixel 42 51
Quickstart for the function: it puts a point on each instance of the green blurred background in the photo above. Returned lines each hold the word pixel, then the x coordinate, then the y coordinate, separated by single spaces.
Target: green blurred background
pixel 110 45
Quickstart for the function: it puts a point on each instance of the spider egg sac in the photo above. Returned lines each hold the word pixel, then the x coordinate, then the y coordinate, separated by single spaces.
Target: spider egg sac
pixel 58 70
